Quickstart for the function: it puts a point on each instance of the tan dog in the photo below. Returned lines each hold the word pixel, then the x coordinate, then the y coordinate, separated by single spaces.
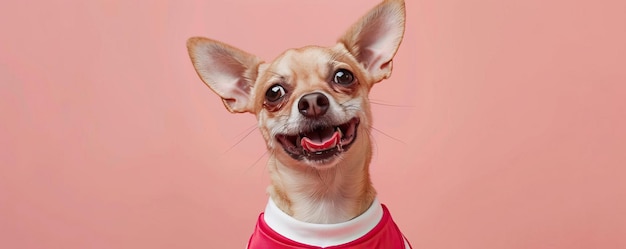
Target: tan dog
pixel 313 111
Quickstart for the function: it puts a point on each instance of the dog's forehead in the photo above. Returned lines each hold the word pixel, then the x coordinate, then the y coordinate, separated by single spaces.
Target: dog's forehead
pixel 303 60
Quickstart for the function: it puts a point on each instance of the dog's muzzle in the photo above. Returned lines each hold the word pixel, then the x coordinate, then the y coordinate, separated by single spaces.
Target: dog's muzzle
pixel 320 142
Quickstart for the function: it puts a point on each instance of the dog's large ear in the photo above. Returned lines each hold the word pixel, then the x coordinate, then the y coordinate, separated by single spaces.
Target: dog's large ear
pixel 228 71
pixel 375 38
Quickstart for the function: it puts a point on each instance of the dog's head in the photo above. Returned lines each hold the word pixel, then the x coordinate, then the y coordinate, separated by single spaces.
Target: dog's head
pixel 312 102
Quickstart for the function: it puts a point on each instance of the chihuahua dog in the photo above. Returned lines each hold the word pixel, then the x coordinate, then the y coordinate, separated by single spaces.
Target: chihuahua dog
pixel 313 111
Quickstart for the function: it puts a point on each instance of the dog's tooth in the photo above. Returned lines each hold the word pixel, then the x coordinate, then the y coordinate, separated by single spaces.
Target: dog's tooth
pixel 338 140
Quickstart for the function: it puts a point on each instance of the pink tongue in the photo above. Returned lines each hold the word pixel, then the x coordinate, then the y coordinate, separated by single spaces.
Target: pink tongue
pixel 311 146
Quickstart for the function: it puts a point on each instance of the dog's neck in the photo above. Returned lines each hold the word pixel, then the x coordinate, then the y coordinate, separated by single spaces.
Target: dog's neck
pixel 328 196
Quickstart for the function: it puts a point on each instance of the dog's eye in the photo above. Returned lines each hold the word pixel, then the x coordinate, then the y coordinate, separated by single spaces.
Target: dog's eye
pixel 343 77
pixel 275 93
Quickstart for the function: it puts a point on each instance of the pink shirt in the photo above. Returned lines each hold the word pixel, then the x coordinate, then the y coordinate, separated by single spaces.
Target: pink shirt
pixel 378 229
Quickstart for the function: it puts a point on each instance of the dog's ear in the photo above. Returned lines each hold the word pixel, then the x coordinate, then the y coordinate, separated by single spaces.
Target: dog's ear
pixel 375 38
pixel 228 71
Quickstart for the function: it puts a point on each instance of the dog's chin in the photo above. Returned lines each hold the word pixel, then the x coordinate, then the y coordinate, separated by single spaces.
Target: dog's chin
pixel 322 146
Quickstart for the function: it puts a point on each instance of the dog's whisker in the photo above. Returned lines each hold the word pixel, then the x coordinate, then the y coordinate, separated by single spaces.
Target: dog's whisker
pixel 241 139
pixel 387 135
pixel 390 105
pixel 258 159
pixel 246 131
pixel 373 141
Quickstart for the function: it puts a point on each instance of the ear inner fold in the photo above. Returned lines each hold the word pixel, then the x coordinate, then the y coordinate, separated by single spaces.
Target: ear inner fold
pixel 228 71
pixel 375 38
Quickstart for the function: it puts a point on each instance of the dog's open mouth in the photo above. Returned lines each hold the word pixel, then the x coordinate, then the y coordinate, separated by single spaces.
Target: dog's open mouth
pixel 320 143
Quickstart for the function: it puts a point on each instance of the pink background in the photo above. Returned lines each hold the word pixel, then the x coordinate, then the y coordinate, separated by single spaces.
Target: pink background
pixel 504 121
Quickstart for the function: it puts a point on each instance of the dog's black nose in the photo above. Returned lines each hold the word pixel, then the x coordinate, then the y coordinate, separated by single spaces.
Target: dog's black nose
pixel 313 105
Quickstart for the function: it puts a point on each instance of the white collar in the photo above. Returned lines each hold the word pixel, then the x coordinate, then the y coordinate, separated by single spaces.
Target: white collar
pixel 322 235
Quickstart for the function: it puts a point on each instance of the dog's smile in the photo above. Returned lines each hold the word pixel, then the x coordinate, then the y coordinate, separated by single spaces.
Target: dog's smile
pixel 320 143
